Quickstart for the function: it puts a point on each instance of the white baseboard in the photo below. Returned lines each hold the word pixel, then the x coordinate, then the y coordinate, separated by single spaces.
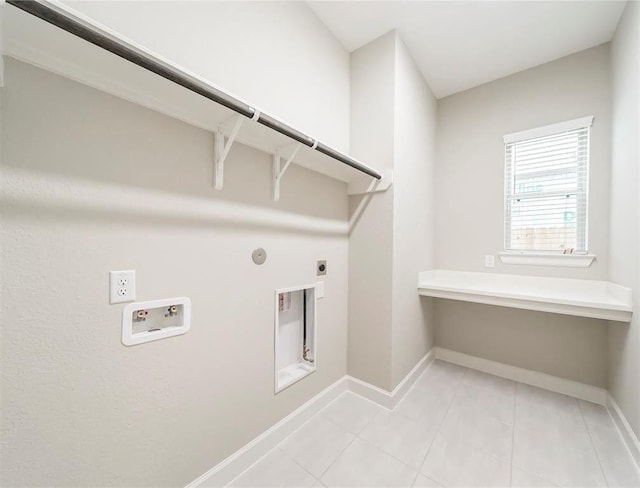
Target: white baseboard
pixel 224 472
pixel 241 460
pixel 534 378
pixel 227 470
pixel 625 429
pixel 385 398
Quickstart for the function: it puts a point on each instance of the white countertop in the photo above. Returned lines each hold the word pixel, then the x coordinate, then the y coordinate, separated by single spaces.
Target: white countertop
pixel 584 298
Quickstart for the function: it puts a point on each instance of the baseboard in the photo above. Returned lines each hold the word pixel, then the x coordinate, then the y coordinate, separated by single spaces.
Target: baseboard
pixel 572 388
pixel 224 472
pixel 625 429
pixel 385 398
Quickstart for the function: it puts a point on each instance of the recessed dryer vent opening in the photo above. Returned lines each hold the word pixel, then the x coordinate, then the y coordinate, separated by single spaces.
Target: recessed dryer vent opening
pixel 295 334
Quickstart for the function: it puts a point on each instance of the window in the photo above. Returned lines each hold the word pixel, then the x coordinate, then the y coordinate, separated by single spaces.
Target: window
pixel 546 188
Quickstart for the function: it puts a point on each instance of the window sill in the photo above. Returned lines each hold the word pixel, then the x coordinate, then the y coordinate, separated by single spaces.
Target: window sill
pixel 547 259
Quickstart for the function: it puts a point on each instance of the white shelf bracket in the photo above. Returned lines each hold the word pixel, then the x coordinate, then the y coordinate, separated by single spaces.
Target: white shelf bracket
pixel 365 184
pixel 278 171
pixel 221 150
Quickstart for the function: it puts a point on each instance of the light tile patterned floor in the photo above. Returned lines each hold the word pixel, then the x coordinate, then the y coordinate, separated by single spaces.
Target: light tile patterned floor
pixel 456 427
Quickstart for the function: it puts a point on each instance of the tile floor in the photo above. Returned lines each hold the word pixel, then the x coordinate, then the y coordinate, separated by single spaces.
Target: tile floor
pixel 456 427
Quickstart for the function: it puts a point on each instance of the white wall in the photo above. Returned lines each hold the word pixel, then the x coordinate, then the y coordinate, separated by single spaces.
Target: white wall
pixel 413 213
pixel 470 193
pixel 276 55
pixel 91 183
pixel 371 234
pixel 393 126
pixel 624 340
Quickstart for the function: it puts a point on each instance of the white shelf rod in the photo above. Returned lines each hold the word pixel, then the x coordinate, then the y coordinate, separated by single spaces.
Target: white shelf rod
pixel 66 19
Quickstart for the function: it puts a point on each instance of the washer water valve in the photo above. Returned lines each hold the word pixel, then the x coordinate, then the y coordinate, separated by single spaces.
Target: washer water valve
pixel 140 316
pixel 155 319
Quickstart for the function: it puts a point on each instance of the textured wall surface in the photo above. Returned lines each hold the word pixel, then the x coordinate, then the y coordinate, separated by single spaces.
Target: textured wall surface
pixel 470 171
pixel 624 340
pixel 91 183
pixel 413 214
pixel 276 55
pixel 470 216
pixel 371 234
pixel 391 238
pixel 560 345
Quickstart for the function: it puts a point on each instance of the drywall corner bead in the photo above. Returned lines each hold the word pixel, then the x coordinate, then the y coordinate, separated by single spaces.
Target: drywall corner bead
pixel 1 56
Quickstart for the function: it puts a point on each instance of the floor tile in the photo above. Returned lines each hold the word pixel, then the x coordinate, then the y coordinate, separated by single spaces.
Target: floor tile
pixel 595 414
pixel 469 425
pixel 362 464
pixel 445 368
pixel 405 439
pixel 621 472
pixel 465 423
pixel 441 374
pixel 275 469
pixel 555 460
pixel 564 426
pixel 607 442
pixel 426 406
pixel 351 412
pixel 500 406
pixel 546 399
pixel 522 479
pixel 317 444
pixel 423 482
pixel 494 384
pixel 457 464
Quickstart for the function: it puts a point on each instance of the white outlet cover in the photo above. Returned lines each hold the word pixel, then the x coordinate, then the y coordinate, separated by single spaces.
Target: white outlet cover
pixel 122 286
pixel 489 261
pixel 320 289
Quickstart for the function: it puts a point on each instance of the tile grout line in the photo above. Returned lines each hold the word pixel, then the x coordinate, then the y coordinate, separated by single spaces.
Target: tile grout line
pixel 393 411
pixel 418 472
pixel 277 446
pixel 442 422
pixel 337 457
pixel 296 462
pixel 593 445
pixel 513 431
pixel 355 436
pixel 318 413
pixel 530 429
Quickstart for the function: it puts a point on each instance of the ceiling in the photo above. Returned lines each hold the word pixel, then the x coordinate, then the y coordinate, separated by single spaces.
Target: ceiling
pixel 461 44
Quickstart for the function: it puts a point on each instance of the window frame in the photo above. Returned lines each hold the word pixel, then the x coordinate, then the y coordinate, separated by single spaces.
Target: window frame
pixel 582 194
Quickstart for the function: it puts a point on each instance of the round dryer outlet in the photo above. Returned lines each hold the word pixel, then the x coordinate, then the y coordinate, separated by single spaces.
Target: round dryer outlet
pixel 259 256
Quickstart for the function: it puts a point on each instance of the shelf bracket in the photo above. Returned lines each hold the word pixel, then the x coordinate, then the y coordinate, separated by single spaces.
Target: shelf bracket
pixel 278 171
pixel 221 150
pixel 365 185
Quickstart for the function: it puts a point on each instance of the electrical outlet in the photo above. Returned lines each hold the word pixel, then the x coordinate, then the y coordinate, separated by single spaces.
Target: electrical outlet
pixel 122 286
pixel 489 261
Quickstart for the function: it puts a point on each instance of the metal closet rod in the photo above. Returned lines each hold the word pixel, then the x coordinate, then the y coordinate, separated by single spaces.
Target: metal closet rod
pixel 90 33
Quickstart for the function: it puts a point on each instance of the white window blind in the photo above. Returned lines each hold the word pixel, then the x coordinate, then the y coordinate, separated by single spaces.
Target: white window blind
pixel 546 188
